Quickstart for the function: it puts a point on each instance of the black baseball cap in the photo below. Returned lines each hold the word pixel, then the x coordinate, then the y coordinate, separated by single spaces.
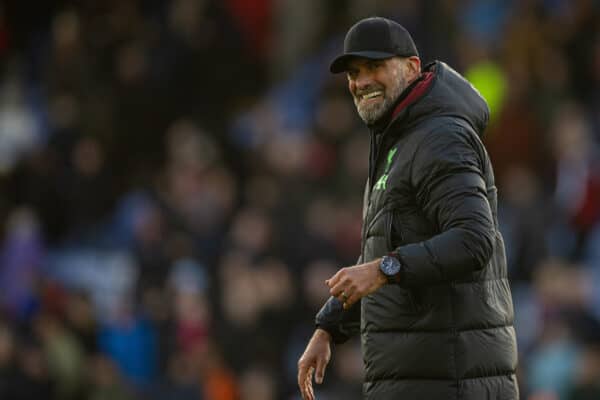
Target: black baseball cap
pixel 375 38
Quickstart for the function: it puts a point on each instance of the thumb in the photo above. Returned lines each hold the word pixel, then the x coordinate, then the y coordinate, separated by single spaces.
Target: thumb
pixel 320 370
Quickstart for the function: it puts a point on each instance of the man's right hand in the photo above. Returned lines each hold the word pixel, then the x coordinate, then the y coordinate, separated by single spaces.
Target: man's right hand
pixel 315 359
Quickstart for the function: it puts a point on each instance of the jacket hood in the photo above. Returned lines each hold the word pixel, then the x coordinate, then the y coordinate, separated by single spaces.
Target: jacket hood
pixel 444 92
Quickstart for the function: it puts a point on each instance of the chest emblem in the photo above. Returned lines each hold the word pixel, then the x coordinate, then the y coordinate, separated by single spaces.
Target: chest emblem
pixel 382 181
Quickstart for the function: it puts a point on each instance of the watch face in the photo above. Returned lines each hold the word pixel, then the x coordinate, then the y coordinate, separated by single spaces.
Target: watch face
pixel 390 266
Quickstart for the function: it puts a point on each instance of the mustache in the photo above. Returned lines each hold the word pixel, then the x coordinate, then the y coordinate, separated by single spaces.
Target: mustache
pixel 368 89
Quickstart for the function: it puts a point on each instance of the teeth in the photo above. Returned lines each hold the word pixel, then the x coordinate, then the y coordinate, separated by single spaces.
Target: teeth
pixel 371 95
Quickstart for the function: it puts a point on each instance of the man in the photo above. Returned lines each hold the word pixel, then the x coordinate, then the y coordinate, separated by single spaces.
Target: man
pixel 429 294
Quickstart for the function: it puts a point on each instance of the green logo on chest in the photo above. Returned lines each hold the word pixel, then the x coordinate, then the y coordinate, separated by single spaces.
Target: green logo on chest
pixel 382 182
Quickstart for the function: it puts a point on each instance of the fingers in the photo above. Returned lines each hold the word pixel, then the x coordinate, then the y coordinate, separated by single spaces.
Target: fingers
pixel 302 375
pixel 306 389
pixel 302 371
pixel 305 374
pixel 345 291
pixel 350 284
pixel 353 298
pixel 335 278
pixel 348 294
pixel 314 361
pixel 340 288
pixel 311 393
pixel 337 289
pixel 337 284
pixel 320 371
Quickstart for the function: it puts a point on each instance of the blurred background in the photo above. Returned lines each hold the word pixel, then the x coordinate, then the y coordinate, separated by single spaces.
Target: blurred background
pixel 178 178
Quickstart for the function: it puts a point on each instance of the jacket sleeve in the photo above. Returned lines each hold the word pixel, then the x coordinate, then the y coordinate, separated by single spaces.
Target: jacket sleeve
pixel 447 176
pixel 341 324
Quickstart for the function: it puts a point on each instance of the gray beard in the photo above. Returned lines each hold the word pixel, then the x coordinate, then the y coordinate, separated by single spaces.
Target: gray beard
pixel 370 114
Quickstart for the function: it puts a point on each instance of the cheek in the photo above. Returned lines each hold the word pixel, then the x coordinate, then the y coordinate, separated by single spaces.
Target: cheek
pixel 393 80
pixel 352 88
pixel 394 77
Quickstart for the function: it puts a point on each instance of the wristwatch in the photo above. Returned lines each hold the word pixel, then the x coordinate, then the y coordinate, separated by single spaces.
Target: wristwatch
pixel 390 267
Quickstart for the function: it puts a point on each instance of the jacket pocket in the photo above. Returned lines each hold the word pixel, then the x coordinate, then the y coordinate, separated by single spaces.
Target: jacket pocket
pixel 393 231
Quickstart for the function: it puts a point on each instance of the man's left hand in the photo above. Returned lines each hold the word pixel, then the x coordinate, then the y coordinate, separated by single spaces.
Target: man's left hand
pixel 350 284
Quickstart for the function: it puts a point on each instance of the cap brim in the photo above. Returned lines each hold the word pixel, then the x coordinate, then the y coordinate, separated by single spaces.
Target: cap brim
pixel 340 64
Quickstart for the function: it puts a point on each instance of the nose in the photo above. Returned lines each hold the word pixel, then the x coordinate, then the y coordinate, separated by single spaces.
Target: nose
pixel 363 80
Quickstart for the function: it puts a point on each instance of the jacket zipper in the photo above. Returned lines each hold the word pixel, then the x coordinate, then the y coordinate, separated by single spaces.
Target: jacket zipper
pixel 372 156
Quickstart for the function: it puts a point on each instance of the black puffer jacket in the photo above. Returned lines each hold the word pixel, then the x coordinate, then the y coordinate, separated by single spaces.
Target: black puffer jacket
pixel 446 331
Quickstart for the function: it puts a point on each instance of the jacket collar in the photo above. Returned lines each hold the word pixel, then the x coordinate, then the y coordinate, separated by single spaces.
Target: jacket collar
pixel 410 95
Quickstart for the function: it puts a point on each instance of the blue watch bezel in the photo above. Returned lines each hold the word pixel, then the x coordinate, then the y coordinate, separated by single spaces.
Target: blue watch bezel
pixel 390 267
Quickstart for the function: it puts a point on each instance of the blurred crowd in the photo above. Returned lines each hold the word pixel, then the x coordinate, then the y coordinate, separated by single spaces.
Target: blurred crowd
pixel 179 178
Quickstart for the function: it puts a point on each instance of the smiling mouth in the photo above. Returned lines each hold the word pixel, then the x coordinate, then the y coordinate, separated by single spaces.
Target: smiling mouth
pixel 372 95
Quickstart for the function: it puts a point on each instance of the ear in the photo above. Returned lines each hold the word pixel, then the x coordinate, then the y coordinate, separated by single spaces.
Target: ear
pixel 413 68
